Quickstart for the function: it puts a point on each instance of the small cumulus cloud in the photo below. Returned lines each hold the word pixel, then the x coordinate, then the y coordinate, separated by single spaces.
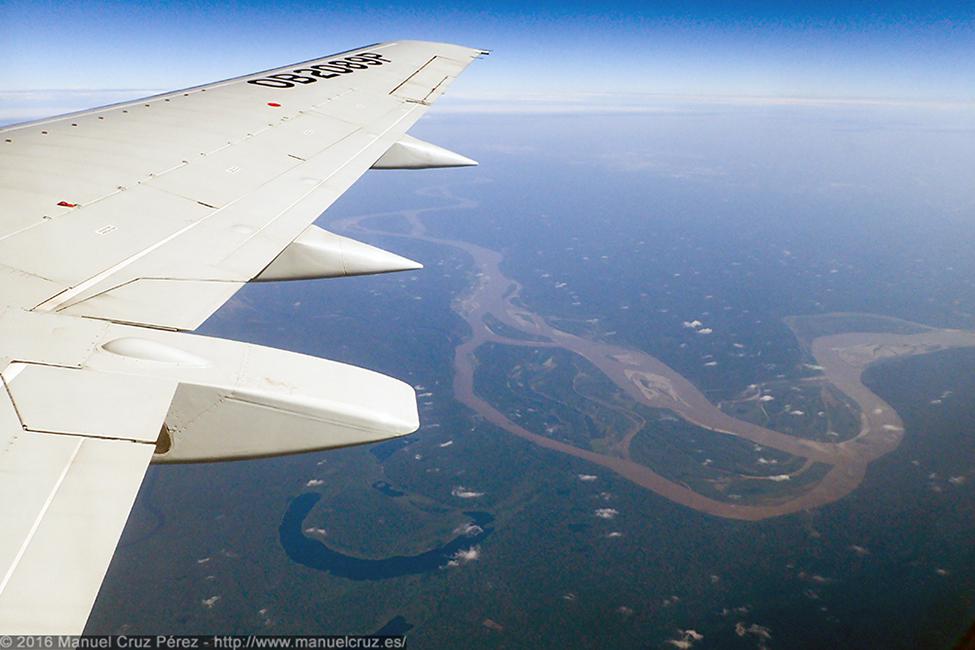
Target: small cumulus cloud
pixel 469 529
pixel 446 444
pixel 685 639
pixel 587 477
pixel 742 609
pixel 464 556
pixel 462 492
pixel 315 482
pixel 760 632
pixel 606 513
pixel 210 602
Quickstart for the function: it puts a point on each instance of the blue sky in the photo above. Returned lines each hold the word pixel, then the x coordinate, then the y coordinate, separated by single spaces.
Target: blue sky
pixel 891 50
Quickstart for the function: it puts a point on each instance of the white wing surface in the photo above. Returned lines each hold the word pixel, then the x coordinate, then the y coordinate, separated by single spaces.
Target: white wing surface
pixel 122 228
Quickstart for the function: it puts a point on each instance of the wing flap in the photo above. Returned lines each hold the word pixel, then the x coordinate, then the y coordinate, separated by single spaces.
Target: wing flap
pixel 66 502
pixel 161 302
pixel 88 489
pixel 82 402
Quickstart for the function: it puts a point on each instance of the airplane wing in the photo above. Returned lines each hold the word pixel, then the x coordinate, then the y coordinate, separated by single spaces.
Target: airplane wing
pixel 123 228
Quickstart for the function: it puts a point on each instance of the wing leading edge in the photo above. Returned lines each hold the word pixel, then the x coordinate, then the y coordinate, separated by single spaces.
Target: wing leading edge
pixel 121 226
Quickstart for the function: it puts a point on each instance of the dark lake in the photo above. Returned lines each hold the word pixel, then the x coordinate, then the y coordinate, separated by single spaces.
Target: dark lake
pixel 315 554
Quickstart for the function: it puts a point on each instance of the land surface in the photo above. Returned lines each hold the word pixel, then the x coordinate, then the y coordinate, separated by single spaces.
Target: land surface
pixel 496 315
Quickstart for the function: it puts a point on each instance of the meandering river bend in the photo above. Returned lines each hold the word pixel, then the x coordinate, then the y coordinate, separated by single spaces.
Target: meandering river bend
pixel 648 380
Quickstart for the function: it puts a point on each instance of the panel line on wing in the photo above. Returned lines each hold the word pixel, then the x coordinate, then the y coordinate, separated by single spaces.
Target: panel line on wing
pixel 408 79
pixel 40 517
pixel 331 175
pixel 54 303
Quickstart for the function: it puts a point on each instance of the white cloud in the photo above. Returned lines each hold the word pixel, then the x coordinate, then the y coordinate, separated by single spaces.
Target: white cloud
pixel 685 639
pixel 754 629
pixel 210 602
pixel 469 529
pixel 606 513
pixel 463 556
pixel 446 444
pixel 818 579
pixel 315 482
pixel 463 493
pixel 587 477
pixel 778 478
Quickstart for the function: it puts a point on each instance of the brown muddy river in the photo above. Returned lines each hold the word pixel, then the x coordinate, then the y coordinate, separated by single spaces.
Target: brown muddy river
pixel 842 359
